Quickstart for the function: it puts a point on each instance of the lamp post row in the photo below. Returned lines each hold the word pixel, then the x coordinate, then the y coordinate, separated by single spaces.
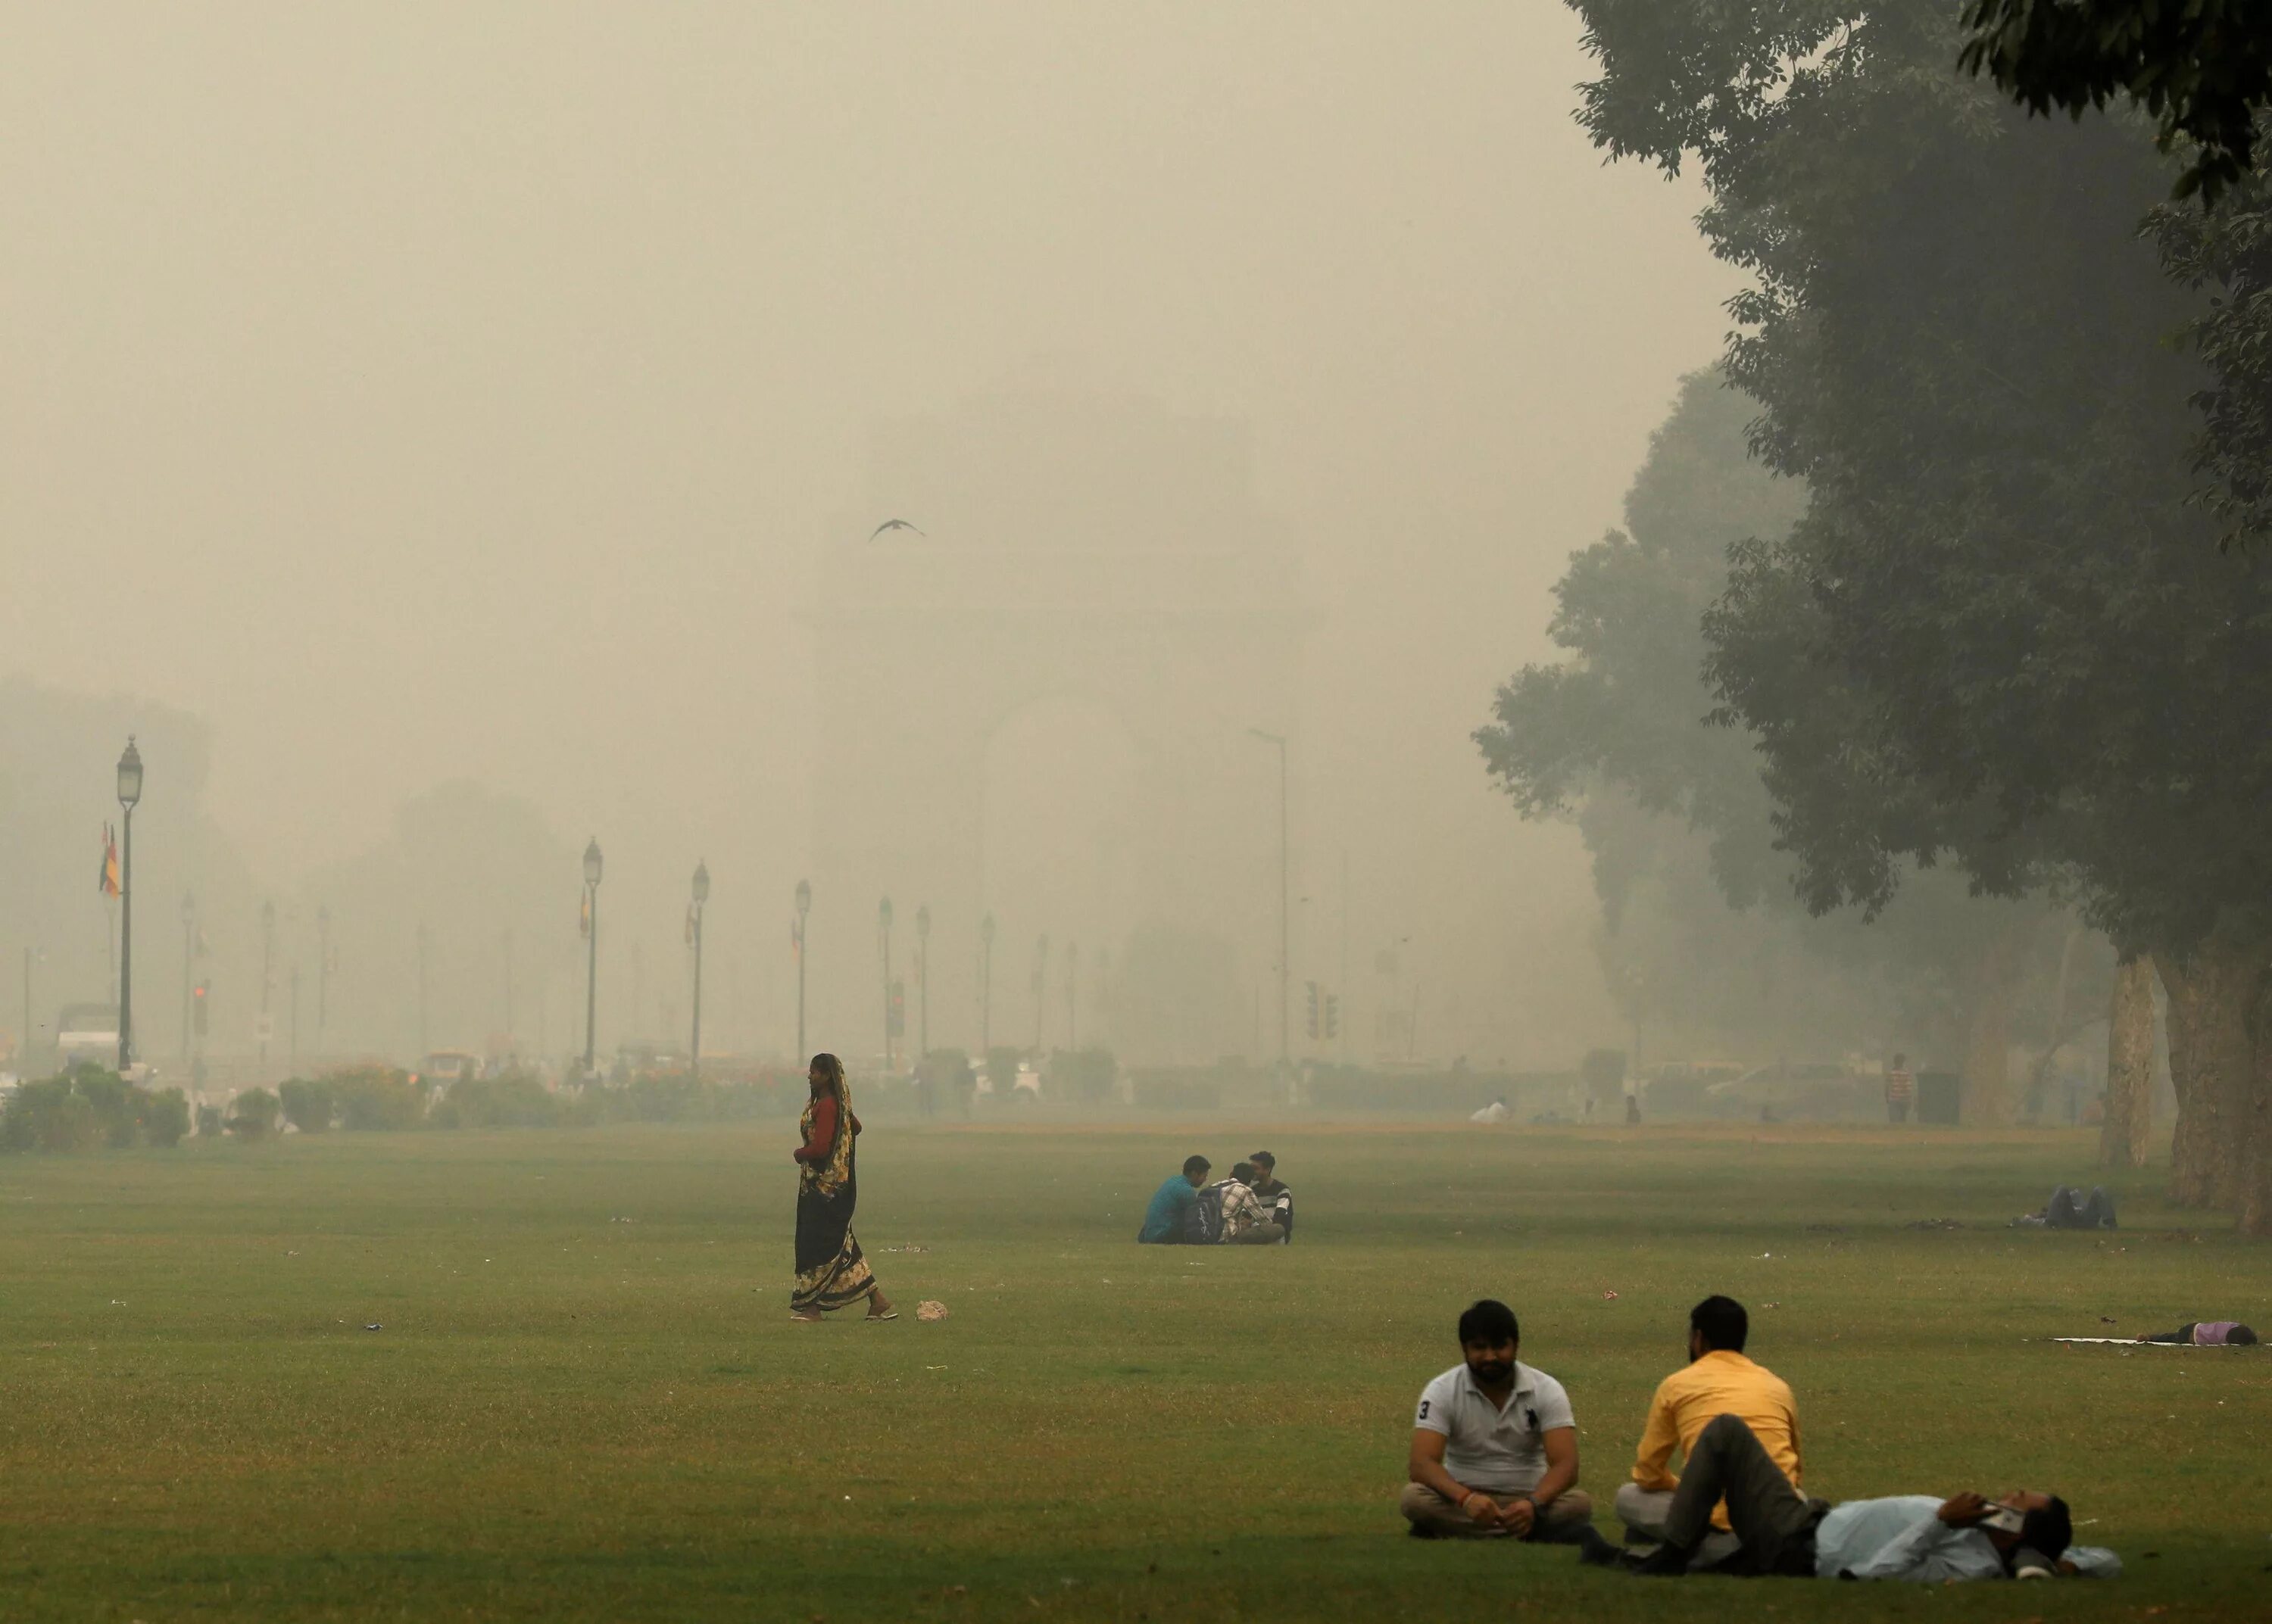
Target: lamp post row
pixel 129 795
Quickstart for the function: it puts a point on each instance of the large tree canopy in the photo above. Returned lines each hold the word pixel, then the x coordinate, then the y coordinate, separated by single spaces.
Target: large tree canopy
pixel 1997 637
pixel 1704 934
pixel 2203 67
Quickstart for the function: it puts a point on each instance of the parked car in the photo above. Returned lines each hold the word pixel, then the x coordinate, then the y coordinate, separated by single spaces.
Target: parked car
pixel 444 1067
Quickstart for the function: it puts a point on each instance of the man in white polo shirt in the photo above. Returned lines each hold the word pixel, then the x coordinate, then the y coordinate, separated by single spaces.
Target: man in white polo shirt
pixel 1494 1445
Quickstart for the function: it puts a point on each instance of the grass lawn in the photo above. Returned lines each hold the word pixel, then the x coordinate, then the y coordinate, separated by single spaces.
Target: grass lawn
pixel 587 1400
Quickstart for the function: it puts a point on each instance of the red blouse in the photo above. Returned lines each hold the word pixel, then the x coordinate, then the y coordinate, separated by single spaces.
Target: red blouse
pixel 815 1148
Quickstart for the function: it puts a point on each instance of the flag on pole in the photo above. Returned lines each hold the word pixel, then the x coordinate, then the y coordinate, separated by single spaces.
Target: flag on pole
pixel 108 881
pixel 795 938
pixel 584 918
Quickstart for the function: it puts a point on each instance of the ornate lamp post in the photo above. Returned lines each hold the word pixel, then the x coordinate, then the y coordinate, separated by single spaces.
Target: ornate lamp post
pixel 797 935
pixel 883 937
pixel 986 983
pixel 694 921
pixel 129 791
pixel 1285 956
pixel 189 967
pixel 922 980
pixel 592 865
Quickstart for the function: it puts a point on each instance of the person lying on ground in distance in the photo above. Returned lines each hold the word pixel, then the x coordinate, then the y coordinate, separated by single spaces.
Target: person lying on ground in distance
pixel 1494 1445
pixel 2026 1535
pixel 1717 1380
pixel 2209 1334
pixel 1171 1204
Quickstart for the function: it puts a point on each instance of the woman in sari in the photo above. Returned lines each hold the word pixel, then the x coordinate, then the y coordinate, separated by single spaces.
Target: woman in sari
pixel 830 1272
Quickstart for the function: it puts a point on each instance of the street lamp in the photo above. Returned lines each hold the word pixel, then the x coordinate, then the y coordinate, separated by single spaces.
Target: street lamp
pixel 189 967
pixel 1072 996
pixel 694 920
pixel 922 980
pixel 986 983
pixel 1041 989
pixel 883 937
pixel 1285 965
pixel 129 791
pixel 796 937
pixel 591 950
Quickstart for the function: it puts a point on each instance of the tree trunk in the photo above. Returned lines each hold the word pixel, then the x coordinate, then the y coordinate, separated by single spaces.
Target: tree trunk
pixel 2256 1173
pixel 2129 1119
pixel 2213 993
pixel 1987 1099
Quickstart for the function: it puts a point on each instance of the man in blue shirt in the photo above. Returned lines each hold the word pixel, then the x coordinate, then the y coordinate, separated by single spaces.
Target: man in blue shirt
pixel 1171 1205
pixel 2025 1535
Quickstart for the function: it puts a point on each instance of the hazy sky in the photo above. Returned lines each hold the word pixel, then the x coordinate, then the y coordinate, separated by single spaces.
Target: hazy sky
pixel 435 391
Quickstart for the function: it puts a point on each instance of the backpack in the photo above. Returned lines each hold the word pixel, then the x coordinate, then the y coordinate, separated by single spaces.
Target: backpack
pixel 1203 1224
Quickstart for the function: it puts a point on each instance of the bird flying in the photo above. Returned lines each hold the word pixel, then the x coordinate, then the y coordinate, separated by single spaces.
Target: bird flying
pixel 892 523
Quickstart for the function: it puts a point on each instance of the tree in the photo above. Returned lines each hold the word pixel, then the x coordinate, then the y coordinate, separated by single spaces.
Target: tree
pixel 1995 638
pixel 2203 67
pixel 1704 934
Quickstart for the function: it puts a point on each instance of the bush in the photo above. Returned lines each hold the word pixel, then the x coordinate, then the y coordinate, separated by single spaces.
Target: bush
pixel 373 1098
pixel 514 1101
pixel 86 1109
pixel 165 1116
pixel 254 1115
pixel 308 1105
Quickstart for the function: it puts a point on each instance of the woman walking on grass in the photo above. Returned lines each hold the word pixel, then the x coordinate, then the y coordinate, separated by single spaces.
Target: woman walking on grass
pixel 830 1272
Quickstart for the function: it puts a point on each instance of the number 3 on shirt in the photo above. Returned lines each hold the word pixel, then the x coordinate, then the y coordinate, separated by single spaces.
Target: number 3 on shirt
pixel 1423 1408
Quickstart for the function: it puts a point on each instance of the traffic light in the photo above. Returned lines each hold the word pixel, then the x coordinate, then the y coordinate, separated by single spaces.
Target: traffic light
pixel 197 997
pixel 1333 1014
pixel 1313 986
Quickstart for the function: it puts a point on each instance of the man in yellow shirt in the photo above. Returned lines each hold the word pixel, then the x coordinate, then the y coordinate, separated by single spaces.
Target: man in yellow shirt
pixel 1717 1380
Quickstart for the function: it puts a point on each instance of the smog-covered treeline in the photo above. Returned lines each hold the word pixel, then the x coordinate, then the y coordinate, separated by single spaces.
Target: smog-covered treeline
pixel 2000 637
pixel 1705 943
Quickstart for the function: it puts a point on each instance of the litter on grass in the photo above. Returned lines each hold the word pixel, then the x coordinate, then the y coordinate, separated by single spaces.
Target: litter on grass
pixel 930 1309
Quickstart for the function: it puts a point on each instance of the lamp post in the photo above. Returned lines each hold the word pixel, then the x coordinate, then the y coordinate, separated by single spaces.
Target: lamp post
pixel 1072 996
pixel 323 969
pixel 796 936
pixel 189 967
pixel 1041 989
pixel 922 980
pixel 986 983
pixel 701 896
pixel 884 938
pixel 591 950
pixel 268 966
pixel 1285 956
pixel 129 791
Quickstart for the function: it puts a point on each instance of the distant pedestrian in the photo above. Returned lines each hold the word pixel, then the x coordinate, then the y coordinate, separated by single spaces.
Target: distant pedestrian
pixel 1900 1089
pixel 831 1273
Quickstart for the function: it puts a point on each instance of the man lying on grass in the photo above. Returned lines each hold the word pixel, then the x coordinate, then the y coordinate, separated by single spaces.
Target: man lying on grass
pixel 1494 1445
pixel 2026 1535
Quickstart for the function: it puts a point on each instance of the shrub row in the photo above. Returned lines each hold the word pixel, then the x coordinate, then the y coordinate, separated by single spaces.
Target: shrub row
pixel 87 1109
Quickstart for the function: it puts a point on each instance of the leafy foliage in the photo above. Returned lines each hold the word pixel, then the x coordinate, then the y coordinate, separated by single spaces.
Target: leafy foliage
pixel 87 1109
pixel 308 1104
pixel 252 1115
pixel 2203 67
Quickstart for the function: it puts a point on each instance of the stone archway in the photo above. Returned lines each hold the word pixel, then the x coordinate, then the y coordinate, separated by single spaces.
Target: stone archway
pixel 1134 577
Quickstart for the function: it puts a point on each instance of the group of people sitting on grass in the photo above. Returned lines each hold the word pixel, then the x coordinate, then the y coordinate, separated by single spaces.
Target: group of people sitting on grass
pixel 1495 1454
pixel 1251 1208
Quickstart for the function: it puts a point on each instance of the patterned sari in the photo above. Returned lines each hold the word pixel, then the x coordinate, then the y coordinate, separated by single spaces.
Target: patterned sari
pixel 830 1272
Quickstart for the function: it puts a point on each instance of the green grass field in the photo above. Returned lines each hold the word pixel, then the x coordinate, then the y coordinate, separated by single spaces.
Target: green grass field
pixel 587 1400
